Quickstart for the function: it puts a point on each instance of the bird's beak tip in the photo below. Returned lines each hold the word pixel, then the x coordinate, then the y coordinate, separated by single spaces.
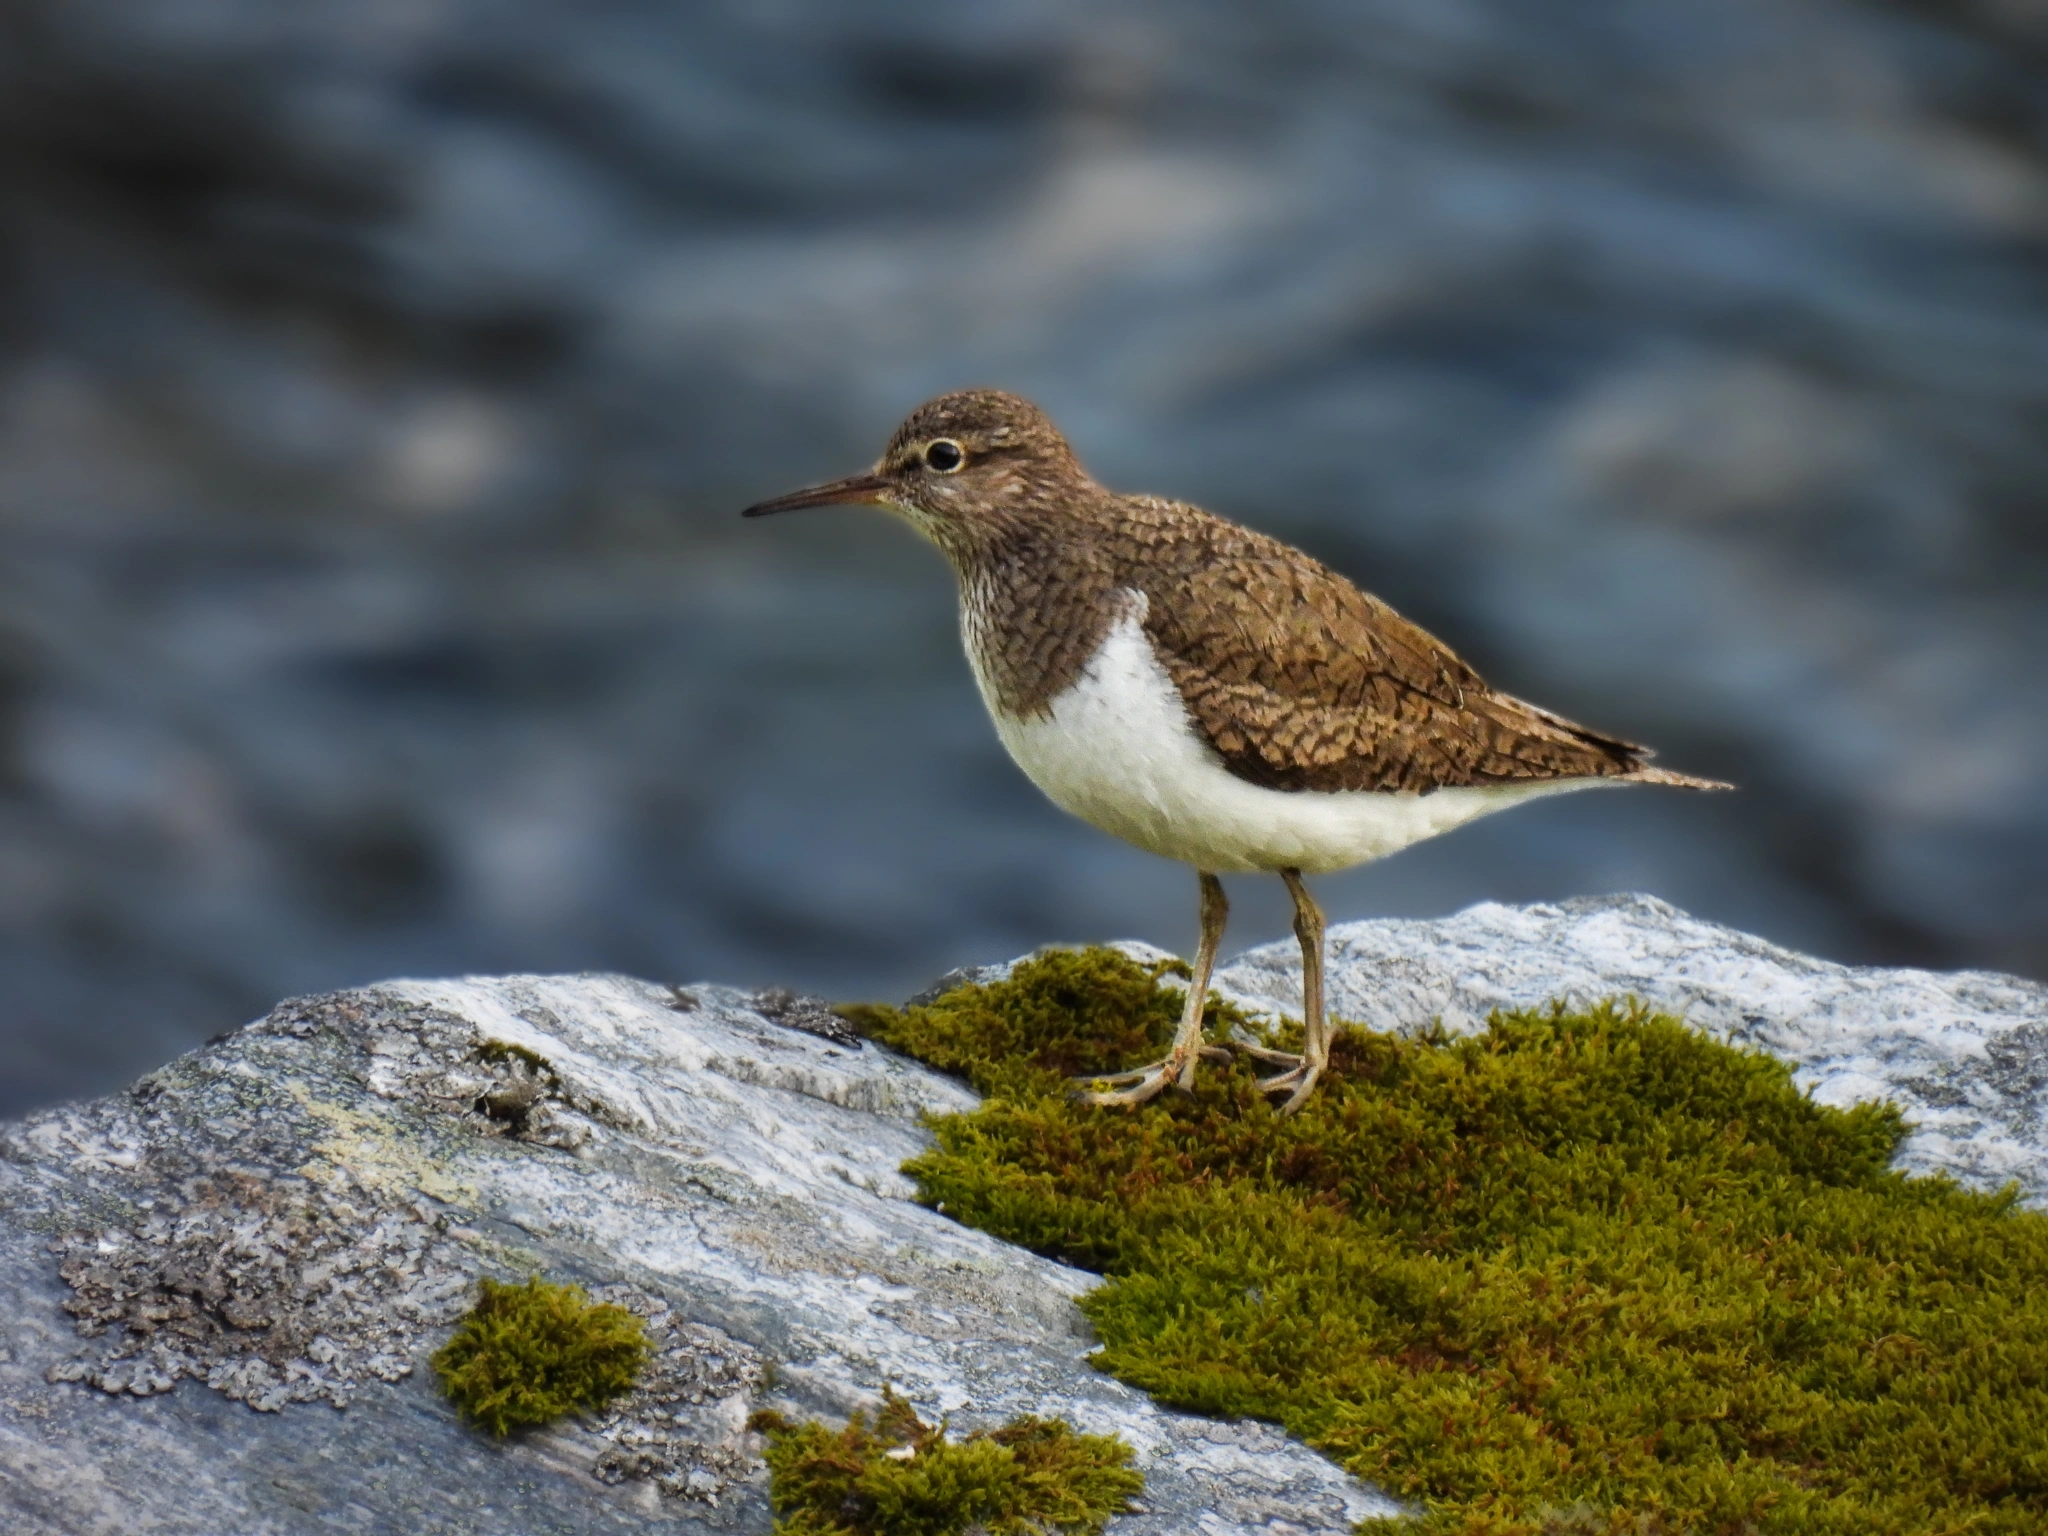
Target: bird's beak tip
pixel 854 490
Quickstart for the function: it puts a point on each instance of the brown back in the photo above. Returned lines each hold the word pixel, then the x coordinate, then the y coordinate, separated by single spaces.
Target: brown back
pixel 1295 677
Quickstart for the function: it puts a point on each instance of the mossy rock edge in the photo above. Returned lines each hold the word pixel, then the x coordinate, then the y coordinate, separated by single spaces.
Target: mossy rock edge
pixel 1582 1271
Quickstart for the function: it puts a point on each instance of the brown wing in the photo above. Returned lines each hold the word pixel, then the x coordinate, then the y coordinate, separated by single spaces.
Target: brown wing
pixel 1302 682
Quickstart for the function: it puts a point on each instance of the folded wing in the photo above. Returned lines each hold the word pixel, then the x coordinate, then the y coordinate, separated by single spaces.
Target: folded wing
pixel 1300 681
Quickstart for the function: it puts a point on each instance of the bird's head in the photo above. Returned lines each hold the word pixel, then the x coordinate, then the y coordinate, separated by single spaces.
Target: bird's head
pixel 961 468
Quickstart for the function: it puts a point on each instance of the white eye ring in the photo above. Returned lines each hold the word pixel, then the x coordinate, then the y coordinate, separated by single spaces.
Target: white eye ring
pixel 945 456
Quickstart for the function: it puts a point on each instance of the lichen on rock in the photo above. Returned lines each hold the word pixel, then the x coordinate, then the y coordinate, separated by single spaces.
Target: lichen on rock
pixel 495 1087
pixel 271 1291
pixel 812 1015
pixel 683 1426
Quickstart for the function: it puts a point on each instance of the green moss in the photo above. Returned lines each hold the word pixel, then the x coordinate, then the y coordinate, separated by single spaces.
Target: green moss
pixel 1580 1272
pixel 902 1477
pixel 528 1354
pixel 504 1051
pixel 1061 1013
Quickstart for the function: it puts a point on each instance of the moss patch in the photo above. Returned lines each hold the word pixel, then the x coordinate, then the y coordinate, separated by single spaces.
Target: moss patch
pixel 505 1052
pixel 903 1477
pixel 1580 1272
pixel 528 1354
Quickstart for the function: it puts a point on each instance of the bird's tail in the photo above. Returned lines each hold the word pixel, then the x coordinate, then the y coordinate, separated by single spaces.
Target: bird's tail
pixel 1628 761
pixel 1645 774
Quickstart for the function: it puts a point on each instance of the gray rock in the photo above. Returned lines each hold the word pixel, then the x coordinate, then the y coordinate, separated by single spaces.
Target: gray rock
pixel 289 1220
pixel 295 1215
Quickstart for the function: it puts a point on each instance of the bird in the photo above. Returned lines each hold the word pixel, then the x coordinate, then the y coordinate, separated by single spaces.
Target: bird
pixel 1206 692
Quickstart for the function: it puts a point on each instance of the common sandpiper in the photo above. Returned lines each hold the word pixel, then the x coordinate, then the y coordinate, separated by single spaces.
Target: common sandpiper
pixel 1204 691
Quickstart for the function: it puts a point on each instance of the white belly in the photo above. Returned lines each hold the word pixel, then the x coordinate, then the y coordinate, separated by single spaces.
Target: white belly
pixel 1119 751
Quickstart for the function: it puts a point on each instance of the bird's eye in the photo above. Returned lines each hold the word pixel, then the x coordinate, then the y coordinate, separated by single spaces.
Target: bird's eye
pixel 945 455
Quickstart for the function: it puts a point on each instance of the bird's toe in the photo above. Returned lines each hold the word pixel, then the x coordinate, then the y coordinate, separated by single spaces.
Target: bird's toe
pixel 1297 1083
pixel 1149 1083
pixel 1268 1055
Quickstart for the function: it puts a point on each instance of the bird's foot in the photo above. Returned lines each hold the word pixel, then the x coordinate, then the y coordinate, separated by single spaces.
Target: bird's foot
pixel 1297 1082
pixel 1174 1070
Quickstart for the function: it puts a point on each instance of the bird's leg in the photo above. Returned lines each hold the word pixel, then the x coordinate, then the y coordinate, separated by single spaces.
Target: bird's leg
pixel 1187 1040
pixel 1315 1026
pixel 1177 1068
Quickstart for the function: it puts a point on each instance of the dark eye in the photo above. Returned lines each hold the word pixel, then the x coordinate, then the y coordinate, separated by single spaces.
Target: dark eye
pixel 945 455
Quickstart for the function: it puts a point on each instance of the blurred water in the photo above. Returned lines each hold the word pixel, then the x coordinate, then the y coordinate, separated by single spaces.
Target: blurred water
pixel 378 383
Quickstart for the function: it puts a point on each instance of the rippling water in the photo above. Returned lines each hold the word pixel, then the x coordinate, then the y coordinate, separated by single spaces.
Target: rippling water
pixel 378 383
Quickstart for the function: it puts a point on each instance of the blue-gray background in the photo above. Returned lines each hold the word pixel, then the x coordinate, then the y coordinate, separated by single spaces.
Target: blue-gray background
pixel 379 380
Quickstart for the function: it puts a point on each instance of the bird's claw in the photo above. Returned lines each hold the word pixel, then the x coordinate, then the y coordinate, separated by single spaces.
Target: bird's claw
pixel 1296 1082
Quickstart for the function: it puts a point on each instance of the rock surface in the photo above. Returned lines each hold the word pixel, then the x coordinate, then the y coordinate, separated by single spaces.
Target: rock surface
pixel 290 1218
pixel 294 1215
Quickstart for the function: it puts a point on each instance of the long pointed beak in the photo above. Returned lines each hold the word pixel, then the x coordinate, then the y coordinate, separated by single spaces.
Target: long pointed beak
pixel 855 490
